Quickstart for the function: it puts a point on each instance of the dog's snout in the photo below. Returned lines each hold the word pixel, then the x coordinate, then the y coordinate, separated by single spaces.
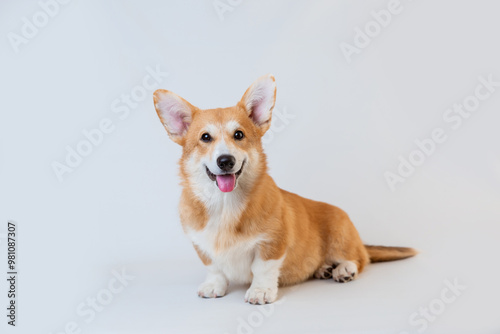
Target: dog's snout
pixel 226 162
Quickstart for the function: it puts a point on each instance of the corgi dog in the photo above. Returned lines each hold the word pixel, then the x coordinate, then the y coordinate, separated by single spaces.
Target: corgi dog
pixel 244 228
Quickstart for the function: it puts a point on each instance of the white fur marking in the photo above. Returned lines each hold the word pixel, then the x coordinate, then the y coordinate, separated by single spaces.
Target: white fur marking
pixel 232 126
pixel 211 129
pixel 235 262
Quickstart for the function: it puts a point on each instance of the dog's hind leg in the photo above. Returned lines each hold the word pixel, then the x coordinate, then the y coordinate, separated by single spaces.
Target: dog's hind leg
pixel 344 248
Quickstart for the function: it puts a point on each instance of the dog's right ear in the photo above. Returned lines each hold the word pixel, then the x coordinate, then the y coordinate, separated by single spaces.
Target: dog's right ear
pixel 258 101
pixel 176 114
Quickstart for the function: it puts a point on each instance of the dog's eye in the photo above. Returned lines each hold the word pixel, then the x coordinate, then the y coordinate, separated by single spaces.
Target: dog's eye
pixel 238 135
pixel 206 137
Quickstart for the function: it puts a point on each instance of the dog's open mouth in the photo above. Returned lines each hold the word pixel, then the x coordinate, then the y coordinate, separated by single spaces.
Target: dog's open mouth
pixel 225 182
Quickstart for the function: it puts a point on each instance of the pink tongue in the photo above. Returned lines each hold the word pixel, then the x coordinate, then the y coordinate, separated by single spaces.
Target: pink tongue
pixel 226 182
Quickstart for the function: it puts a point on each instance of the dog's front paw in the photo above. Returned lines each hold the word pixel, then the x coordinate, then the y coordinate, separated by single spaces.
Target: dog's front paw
pixel 212 290
pixel 261 295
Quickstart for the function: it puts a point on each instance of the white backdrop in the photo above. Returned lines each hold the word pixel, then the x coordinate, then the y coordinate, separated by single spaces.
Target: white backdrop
pixel 356 89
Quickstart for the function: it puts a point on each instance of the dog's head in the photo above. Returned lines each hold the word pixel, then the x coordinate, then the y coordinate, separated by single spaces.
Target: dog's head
pixel 221 147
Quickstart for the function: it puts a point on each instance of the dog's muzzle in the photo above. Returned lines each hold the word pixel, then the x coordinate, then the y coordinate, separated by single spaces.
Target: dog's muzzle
pixel 225 182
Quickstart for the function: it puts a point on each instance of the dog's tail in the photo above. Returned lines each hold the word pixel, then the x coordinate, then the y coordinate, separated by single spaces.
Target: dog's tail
pixel 383 253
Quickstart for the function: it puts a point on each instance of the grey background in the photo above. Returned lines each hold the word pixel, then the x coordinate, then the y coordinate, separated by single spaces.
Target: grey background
pixel 351 122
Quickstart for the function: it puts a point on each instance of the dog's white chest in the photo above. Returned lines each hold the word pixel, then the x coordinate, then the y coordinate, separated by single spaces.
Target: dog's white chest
pixel 234 261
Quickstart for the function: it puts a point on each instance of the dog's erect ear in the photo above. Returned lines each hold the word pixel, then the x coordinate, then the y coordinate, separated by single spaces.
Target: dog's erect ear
pixel 175 113
pixel 259 100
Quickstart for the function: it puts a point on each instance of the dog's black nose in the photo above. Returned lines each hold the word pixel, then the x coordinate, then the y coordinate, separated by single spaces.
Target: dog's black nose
pixel 226 162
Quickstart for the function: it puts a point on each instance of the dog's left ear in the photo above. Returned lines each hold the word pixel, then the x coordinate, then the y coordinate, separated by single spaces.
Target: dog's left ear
pixel 258 101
